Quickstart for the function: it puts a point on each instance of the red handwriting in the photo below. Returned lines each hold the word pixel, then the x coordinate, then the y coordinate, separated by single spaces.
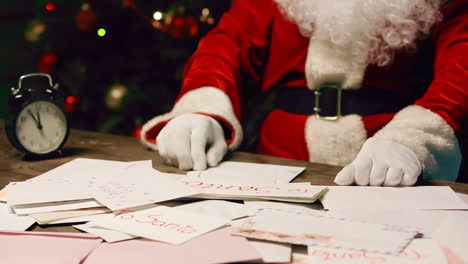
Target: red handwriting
pixel 246 188
pixel 330 256
pixel 155 220
pixel 114 190
pixel 412 254
pixel 203 185
pixel 371 258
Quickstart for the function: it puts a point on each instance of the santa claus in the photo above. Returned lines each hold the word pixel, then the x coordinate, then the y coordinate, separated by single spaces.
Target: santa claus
pixel 377 86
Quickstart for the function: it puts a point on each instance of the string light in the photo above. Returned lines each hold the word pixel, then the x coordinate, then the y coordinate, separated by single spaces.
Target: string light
pixel 72 99
pixel 117 92
pixel 101 32
pixel 85 6
pixel 157 15
pixel 205 16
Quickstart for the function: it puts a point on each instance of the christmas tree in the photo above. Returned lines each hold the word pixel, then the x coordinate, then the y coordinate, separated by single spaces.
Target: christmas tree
pixel 119 62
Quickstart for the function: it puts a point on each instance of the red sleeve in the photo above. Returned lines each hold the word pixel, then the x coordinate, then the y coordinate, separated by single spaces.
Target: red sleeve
pixel 237 46
pixel 447 95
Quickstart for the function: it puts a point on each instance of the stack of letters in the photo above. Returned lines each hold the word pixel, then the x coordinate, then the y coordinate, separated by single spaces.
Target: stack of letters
pixel 236 212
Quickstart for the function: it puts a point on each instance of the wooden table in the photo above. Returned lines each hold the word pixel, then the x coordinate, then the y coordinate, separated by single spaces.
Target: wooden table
pixel 85 144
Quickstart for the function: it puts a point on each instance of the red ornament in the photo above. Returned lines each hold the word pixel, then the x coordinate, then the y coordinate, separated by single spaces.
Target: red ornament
pixel 71 102
pixel 137 131
pixel 47 62
pixel 86 19
pixel 180 26
pixel 50 6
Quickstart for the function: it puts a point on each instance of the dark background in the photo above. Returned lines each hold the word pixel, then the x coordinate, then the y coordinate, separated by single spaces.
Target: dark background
pixel 114 82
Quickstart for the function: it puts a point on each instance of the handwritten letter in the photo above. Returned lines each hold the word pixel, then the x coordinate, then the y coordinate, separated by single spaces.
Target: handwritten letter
pixel 161 223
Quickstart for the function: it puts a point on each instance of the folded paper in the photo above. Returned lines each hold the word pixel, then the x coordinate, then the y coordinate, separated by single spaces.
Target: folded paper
pixel 161 223
pixel 283 192
pixel 419 251
pixel 137 186
pixel 321 230
pixel 249 173
pixel 369 197
pixel 11 222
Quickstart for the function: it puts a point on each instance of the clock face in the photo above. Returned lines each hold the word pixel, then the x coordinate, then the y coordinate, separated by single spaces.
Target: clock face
pixel 41 127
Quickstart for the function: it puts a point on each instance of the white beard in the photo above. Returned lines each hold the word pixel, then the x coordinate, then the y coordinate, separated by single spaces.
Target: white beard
pixel 379 26
pixel 359 32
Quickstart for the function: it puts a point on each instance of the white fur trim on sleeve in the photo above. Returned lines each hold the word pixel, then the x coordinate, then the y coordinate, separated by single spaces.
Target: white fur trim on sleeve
pixel 327 63
pixel 207 100
pixel 430 137
pixel 334 142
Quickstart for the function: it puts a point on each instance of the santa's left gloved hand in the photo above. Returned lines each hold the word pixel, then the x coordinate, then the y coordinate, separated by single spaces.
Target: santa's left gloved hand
pixel 381 162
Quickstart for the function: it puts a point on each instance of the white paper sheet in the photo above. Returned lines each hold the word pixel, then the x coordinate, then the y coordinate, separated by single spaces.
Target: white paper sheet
pixel 106 234
pixel 453 233
pixel 81 169
pixel 141 163
pixel 83 172
pixel 219 208
pixel 370 198
pixel 55 206
pixel 425 220
pixel 165 224
pixel 78 219
pixel 11 222
pixel 283 192
pixel 249 173
pixel 137 186
pixel 238 222
pixel 272 252
pixel 320 230
pixel 419 251
pixel 254 206
pixel 5 190
pixel 44 192
pixel 67 182
pixel 45 218
pixel 463 196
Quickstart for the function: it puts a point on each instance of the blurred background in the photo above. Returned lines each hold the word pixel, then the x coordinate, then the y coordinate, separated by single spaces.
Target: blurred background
pixel 119 62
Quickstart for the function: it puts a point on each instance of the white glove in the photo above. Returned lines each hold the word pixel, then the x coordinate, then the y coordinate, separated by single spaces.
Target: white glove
pixel 191 141
pixel 381 162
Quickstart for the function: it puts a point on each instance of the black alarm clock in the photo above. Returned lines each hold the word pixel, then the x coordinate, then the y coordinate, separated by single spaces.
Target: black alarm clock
pixel 36 123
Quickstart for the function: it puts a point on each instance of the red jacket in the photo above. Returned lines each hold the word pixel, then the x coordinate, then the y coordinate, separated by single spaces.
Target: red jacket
pixel 254 39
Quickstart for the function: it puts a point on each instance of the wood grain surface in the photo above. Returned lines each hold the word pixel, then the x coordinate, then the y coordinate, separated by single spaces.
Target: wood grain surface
pixel 14 166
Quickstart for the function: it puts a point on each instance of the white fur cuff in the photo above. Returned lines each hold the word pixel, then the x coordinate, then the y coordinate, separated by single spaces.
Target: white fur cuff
pixel 430 137
pixel 207 100
pixel 334 142
pixel 328 63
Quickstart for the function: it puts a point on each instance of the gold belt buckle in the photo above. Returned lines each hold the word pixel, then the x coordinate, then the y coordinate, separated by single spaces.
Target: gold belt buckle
pixel 338 102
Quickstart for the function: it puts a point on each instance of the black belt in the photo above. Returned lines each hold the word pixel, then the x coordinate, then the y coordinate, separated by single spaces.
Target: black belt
pixel 365 101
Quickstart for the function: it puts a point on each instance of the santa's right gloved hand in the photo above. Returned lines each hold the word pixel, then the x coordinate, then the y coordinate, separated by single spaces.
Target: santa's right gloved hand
pixel 192 141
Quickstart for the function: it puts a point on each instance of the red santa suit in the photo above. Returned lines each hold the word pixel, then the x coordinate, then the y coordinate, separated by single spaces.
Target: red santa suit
pixel 254 39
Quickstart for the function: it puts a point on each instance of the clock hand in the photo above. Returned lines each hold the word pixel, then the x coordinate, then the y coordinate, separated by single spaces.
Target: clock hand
pixel 39 125
pixel 35 120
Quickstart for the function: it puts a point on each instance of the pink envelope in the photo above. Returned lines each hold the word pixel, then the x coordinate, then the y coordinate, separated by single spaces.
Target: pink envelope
pixel 452 257
pixel 215 247
pixel 44 247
